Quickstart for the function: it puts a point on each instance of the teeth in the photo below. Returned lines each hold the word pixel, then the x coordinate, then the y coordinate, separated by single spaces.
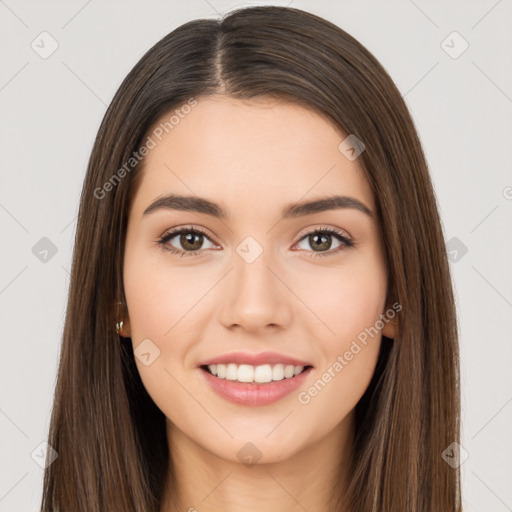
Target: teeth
pixel 261 374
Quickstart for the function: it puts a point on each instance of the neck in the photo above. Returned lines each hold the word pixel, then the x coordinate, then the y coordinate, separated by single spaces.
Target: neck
pixel 313 478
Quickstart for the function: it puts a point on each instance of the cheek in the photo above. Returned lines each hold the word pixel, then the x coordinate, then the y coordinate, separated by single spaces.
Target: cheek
pixel 163 302
pixel 348 300
pixel 158 296
pixel 351 303
pixel 157 312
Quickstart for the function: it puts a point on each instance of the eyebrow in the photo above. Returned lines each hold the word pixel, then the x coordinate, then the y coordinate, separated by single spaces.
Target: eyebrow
pixel 294 210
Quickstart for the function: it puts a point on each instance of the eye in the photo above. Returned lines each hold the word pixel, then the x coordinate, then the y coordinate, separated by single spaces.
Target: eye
pixel 191 239
pixel 322 239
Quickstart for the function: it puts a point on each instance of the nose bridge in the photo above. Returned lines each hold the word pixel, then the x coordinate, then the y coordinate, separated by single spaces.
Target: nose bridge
pixel 252 264
pixel 253 277
pixel 255 296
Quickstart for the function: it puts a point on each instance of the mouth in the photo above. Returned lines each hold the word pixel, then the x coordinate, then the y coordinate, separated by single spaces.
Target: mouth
pixel 249 374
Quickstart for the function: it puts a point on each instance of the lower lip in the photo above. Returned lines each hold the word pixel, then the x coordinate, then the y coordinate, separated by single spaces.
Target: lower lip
pixel 252 394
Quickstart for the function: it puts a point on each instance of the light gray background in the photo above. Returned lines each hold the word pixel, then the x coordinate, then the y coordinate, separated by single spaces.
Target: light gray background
pixel 50 112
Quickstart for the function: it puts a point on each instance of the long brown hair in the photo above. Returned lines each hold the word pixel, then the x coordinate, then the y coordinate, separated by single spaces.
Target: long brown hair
pixel 109 435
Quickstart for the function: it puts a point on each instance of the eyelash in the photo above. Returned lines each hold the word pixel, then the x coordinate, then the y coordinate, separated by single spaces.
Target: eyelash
pixel 345 242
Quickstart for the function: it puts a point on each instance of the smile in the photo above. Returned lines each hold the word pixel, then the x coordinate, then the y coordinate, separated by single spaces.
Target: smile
pixel 260 374
pixel 225 381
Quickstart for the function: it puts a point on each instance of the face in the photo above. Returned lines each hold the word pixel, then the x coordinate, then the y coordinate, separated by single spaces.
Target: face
pixel 290 285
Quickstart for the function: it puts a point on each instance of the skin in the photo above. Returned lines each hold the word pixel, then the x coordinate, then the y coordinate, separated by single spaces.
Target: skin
pixel 253 157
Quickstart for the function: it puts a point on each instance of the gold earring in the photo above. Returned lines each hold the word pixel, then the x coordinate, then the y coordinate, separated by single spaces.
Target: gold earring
pixel 119 327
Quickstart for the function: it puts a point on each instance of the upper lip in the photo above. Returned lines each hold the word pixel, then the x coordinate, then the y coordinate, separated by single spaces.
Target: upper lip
pixel 262 358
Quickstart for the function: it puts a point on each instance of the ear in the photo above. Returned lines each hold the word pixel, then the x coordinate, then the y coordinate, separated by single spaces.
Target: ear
pixel 121 315
pixel 391 326
pixel 390 329
pixel 126 331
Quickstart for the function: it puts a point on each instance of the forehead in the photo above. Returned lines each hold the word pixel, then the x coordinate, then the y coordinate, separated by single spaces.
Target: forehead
pixel 260 152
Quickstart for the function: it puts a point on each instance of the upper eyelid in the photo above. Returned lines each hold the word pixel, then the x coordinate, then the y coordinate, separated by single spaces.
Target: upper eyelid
pixel 332 230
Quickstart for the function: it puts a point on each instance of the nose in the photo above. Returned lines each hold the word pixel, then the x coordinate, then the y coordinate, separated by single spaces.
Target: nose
pixel 256 296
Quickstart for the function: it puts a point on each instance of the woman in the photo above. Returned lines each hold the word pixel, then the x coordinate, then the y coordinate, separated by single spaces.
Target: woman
pixel 260 311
